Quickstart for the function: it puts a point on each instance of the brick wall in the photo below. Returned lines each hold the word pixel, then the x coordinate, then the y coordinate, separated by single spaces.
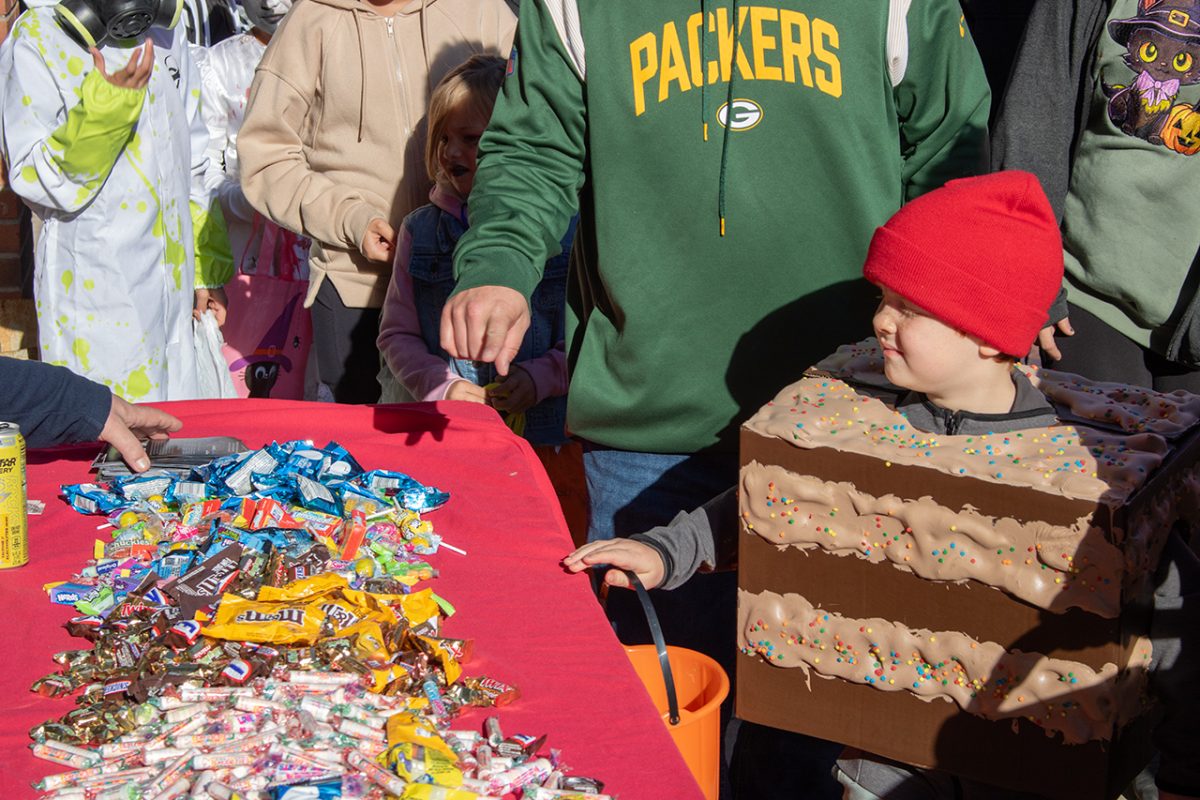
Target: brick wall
pixel 10 206
pixel 18 329
pixel 10 243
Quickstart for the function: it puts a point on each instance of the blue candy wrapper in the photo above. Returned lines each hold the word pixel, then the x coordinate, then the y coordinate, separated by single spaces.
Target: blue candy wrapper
pixel 68 594
pixel 341 464
pixel 317 497
pixel 310 791
pixel 411 493
pixel 305 461
pixel 240 480
pixel 174 564
pixel 184 492
pixel 140 487
pixel 226 535
pixel 91 498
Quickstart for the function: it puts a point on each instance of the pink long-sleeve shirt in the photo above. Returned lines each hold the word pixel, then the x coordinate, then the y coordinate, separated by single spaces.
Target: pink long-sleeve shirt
pixel 425 375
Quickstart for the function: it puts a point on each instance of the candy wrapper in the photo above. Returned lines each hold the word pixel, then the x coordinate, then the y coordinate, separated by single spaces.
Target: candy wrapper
pixel 255 632
pixel 411 493
pixel 244 620
pixel 204 585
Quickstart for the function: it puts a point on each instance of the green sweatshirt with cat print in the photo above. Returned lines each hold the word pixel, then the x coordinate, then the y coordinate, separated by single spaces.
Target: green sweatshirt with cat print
pixel 1102 107
pixel 729 162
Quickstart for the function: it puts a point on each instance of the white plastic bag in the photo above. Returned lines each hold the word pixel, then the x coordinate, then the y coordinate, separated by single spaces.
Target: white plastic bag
pixel 212 373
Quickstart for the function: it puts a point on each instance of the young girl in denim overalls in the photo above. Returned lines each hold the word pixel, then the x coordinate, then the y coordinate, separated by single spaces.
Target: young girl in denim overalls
pixel 423 279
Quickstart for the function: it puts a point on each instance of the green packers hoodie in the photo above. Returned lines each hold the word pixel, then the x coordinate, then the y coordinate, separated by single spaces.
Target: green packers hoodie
pixel 729 162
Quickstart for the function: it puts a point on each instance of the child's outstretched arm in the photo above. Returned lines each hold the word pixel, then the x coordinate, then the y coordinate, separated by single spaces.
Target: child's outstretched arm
pixel 59 157
pixel 667 556
pixel 425 375
pixel 645 561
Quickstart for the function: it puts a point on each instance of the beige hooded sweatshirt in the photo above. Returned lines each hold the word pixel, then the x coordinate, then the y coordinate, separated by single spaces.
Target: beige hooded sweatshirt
pixel 334 130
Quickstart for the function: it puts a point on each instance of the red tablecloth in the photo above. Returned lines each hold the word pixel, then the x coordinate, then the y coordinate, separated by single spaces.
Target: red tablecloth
pixel 533 624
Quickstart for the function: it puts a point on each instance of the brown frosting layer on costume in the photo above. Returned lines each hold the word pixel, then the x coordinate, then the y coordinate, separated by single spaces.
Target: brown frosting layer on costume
pixel 1050 566
pixel 1133 409
pixel 1083 463
pixel 982 678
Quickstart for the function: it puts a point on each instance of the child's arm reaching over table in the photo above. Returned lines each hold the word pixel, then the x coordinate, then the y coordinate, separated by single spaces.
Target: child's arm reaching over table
pixel 667 556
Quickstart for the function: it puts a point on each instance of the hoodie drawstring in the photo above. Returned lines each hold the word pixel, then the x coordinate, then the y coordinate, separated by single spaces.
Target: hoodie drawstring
pixel 362 61
pixel 703 67
pixel 737 31
pixel 362 65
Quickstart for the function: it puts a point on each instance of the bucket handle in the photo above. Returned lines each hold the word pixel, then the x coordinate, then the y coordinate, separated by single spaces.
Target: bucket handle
pixel 660 644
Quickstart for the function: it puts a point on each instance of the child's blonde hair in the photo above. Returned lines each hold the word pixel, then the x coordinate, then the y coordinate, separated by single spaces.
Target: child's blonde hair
pixel 475 81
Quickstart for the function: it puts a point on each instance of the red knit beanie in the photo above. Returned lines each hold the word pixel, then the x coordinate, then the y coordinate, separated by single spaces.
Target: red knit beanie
pixel 982 254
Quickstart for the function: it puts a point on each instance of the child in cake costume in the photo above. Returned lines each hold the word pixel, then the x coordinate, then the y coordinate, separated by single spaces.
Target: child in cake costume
pixel 967 273
pixel 108 149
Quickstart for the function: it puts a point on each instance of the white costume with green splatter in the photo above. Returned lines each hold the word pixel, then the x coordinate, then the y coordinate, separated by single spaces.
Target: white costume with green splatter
pixel 117 177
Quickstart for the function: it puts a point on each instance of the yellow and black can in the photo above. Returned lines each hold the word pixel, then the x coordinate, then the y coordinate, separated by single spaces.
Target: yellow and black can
pixel 14 532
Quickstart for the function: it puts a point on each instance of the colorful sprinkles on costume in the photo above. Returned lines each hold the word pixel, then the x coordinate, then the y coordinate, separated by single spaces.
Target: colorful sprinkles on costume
pixel 1090 463
pixel 980 677
pixel 1051 566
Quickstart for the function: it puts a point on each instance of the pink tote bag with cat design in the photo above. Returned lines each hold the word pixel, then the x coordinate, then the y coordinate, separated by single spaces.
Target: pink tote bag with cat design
pixel 268 331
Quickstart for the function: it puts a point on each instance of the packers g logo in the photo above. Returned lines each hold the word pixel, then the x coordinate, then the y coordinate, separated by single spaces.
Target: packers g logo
pixel 740 115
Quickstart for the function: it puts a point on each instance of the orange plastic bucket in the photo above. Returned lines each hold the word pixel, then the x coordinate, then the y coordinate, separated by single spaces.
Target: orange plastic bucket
pixel 700 686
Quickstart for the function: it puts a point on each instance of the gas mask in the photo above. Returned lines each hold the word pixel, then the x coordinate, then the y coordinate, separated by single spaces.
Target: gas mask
pixel 93 23
pixel 266 14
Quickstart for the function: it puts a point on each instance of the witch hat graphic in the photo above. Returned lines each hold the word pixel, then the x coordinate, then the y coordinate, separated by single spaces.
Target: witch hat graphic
pixel 262 366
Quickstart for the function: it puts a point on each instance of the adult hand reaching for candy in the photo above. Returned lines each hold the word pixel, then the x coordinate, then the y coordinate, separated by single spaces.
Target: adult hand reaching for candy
pixel 127 424
pixel 486 323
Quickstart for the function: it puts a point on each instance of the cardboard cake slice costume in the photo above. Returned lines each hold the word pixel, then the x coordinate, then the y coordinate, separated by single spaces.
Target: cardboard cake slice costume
pixel 978 604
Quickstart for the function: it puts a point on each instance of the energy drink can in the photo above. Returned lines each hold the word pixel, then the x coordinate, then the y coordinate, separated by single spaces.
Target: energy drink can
pixel 14 536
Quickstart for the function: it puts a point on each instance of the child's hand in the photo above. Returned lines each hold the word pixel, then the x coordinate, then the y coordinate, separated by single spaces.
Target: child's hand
pixel 214 300
pixel 465 390
pixel 643 559
pixel 136 73
pixel 1046 341
pixel 379 242
pixel 516 392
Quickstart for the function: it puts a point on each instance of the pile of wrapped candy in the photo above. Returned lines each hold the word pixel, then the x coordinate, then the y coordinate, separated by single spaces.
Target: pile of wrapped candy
pixel 256 634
